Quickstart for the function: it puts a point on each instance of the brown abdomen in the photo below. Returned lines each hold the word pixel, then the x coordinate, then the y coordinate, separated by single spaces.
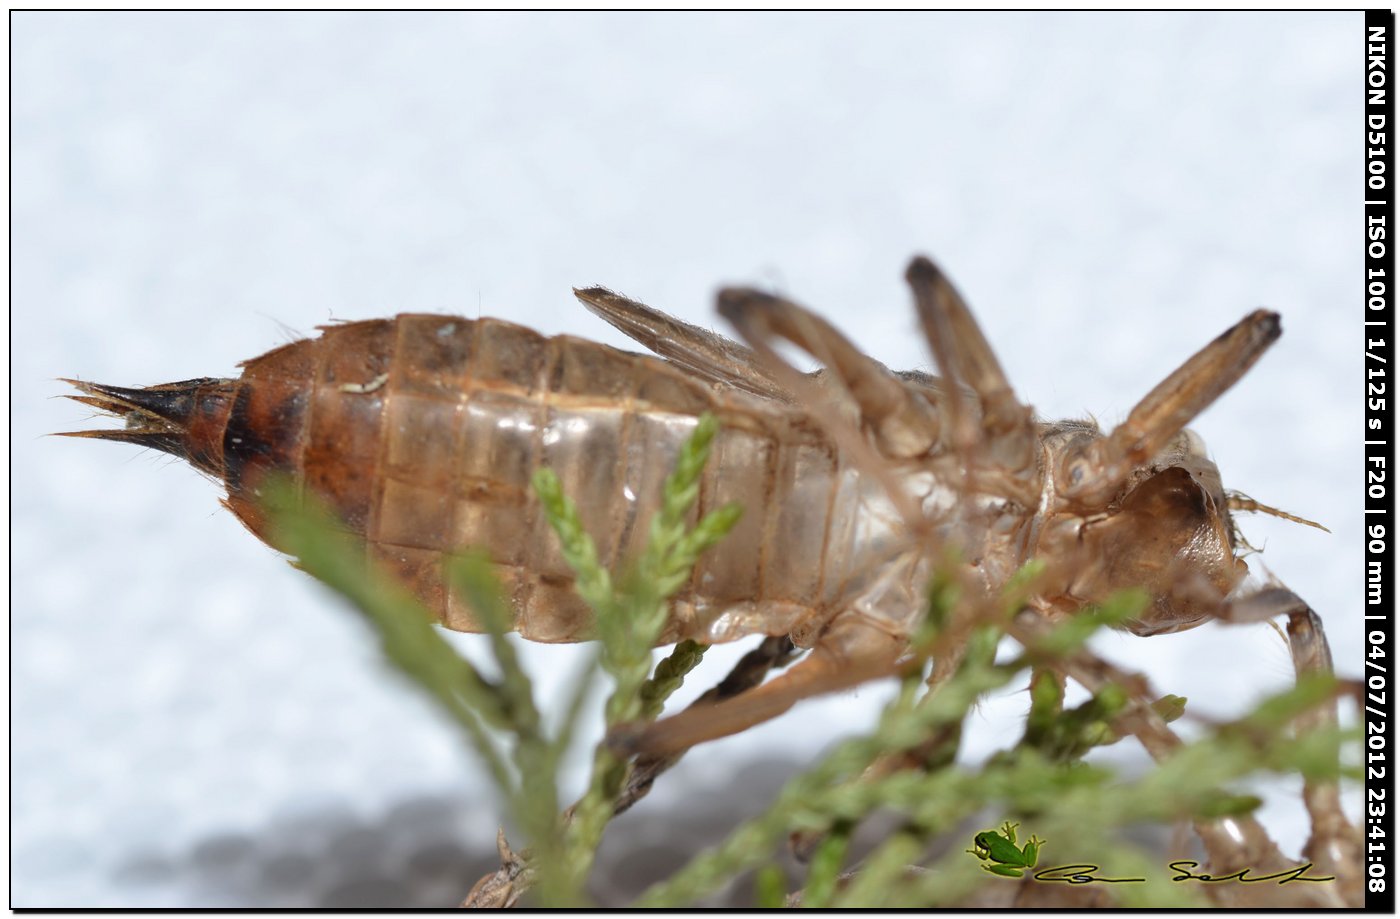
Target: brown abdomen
pixel 423 432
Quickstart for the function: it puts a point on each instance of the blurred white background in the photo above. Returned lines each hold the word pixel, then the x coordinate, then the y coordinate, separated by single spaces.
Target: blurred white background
pixel 197 724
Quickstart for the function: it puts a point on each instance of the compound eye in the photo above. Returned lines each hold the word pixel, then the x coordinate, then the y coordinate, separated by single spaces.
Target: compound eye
pixel 1086 479
pixel 1076 470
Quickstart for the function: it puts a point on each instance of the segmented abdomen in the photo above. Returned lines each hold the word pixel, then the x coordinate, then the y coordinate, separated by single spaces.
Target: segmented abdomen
pixel 424 431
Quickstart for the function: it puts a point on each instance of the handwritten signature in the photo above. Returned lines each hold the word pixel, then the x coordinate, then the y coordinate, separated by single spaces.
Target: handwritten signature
pixel 1086 874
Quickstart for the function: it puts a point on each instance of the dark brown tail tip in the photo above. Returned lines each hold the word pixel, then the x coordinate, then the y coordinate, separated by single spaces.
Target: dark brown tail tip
pixel 173 403
pixel 157 416
pixel 102 405
pixel 164 441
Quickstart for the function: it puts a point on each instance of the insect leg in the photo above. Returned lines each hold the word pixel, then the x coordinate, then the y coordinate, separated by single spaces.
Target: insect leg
pixel 1007 434
pixel 1232 842
pixel 1334 844
pixel 905 424
pixel 774 651
pixel 698 350
pixel 851 651
pixel 961 349
pixel 1093 473
pixel 754 314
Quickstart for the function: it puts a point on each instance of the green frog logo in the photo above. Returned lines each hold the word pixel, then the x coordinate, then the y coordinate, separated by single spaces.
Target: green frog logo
pixel 999 850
